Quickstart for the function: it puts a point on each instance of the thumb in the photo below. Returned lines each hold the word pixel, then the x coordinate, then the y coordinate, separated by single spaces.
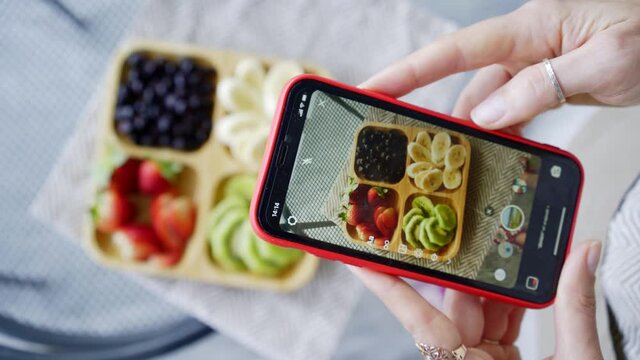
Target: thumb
pixel 576 335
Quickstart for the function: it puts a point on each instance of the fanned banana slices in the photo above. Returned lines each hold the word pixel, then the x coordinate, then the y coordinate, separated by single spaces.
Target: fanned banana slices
pixel 435 162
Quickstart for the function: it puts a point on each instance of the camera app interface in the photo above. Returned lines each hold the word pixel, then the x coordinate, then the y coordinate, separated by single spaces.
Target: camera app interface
pixel 378 182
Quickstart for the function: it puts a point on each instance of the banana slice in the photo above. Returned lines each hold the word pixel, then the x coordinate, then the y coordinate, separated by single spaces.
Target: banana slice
pixel 424 139
pixel 429 180
pixel 456 156
pixel 439 146
pixel 237 95
pixel 279 74
pixel 418 153
pixel 251 71
pixel 249 145
pixel 452 178
pixel 417 167
pixel 229 126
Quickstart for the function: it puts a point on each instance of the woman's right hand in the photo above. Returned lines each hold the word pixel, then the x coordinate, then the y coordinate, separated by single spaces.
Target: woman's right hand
pixel 594 49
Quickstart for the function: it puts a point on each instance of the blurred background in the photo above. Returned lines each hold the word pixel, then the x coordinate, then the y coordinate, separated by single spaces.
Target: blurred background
pixel 56 302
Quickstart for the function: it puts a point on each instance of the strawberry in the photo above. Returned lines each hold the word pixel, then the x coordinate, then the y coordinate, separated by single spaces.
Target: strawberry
pixel 365 231
pixel 136 242
pixel 166 259
pixel 386 221
pixel 124 179
pixel 378 196
pixel 359 195
pixel 111 210
pixel 156 177
pixel 173 218
pixel 355 214
pixel 377 211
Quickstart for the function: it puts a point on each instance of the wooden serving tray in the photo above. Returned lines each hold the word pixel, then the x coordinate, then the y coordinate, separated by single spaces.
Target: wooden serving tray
pixel 205 170
pixel 404 191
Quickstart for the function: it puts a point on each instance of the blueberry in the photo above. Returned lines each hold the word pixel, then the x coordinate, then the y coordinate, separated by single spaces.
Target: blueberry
pixel 124 127
pixel 169 101
pixel 137 86
pixel 180 106
pixel 124 112
pixel 148 95
pixel 139 123
pixel 164 123
pixel 149 68
pixel 135 59
pixel 178 143
pixel 162 87
pixel 186 65
pixel 123 94
pixel 170 68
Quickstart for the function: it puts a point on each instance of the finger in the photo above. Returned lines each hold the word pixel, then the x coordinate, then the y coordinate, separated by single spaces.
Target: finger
pixel 483 83
pixel 576 335
pixel 465 311
pixel 501 352
pixel 424 322
pixel 485 43
pixel 496 317
pixel 513 330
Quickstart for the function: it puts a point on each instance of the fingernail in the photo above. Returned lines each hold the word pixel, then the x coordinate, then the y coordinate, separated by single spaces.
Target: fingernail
pixel 593 257
pixel 489 111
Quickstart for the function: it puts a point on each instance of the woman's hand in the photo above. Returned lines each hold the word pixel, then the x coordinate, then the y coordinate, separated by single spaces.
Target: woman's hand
pixel 490 328
pixel 594 49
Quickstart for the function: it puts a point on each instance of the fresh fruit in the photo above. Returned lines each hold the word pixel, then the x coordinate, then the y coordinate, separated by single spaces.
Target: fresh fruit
pixel 451 178
pixel 455 157
pixel 251 71
pixel 355 214
pixel 124 178
pixel 248 252
pixel 418 153
pixel 429 180
pixel 423 203
pixel 173 218
pixel 111 211
pixel 378 196
pixel 165 103
pixel 237 95
pixel 277 77
pixel 240 185
pixel 416 168
pixel 165 259
pixel 227 204
pixel 438 236
pixel 366 231
pixel 222 238
pixel 424 139
pixel 359 194
pixel 439 146
pixel 156 177
pixel 386 221
pixel 380 154
pixel 136 242
pixel 277 255
pixel 430 233
pixel 446 217
pixel 410 231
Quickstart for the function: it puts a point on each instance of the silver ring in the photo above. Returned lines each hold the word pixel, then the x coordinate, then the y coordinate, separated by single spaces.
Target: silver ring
pixel 554 80
pixel 435 353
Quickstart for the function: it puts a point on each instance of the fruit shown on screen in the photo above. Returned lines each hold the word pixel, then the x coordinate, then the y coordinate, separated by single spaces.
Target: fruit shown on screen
pixel 370 211
pixel 164 102
pixel 141 210
pixel 428 226
pixel 435 162
pixel 233 244
pixel 380 154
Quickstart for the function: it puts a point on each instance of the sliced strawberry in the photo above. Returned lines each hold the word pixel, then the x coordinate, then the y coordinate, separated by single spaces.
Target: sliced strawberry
pixel 355 214
pixel 173 218
pixel 124 179
pixel 136 242
pixel 165 259
pixel 378 211
pixel 378 196
pixel 386 221
pixel 156 177
pixel 111 211
pixel 366 231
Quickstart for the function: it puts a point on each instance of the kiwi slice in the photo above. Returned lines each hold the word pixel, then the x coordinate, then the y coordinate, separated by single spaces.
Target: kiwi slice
pixel 240 185
pixel 408 216
pixel 277 255
pixel 221 237
pixel 246 247
pixel 437 236
pixel 423 203
pixel 425 236
pixel 446 217
pixel 410 231
pixel 223 207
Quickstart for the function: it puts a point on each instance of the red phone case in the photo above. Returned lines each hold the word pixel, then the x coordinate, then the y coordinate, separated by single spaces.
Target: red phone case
pixel 369 264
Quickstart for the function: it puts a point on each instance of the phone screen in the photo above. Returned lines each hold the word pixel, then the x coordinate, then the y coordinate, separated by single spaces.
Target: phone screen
pixel 415 191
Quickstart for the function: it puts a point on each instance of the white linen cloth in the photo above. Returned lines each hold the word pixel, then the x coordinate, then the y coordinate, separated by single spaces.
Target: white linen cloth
pixel 352 40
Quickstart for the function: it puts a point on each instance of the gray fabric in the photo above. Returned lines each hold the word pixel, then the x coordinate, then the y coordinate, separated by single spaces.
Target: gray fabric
pixel 48 68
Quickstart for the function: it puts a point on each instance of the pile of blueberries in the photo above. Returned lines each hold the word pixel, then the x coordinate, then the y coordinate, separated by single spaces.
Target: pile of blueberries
pixel 165 103
pixel 381 154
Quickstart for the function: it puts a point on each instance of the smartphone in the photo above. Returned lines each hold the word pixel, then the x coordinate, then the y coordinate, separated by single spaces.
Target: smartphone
pixel 368 180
